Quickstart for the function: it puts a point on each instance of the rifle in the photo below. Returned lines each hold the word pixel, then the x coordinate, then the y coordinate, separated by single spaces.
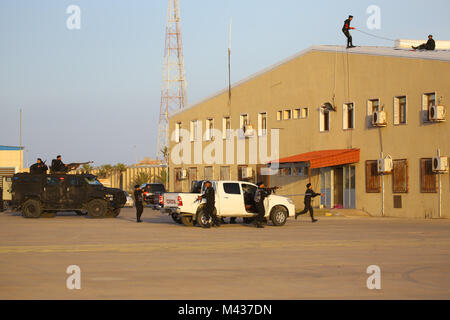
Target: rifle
pixel 76 165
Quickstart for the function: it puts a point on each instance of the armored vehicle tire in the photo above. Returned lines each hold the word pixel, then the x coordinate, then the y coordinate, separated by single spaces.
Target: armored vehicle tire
pixel 32 209
pixel 279 216
pixel 201 218
pixel 113 213
pixel 176 218
pixel 97 208
pixel 188 221
pixel 81 213
pixel 48 214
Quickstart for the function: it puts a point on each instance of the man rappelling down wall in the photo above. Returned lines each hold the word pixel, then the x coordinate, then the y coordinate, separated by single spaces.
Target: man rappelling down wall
pixel 345 30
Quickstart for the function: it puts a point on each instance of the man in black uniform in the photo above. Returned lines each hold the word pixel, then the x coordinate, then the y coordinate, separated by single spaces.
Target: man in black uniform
pixel 430 45
pixel 210 197
pixel 345 30
pixel 58 165
pixel 260 194
pixel 39 167
pixel 309 194
pixel 138 201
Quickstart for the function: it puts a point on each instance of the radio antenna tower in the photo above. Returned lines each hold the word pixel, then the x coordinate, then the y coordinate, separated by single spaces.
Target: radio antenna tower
pixel 173 93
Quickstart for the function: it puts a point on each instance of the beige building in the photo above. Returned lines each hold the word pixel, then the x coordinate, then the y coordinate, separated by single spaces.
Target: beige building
pixel 11 161
pixel 322 102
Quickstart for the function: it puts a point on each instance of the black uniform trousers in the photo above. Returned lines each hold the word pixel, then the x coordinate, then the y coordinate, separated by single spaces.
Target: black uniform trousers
pixel 139 210
pixel 309 208
pixel 209 213
pixel 349 37
pixel 261 211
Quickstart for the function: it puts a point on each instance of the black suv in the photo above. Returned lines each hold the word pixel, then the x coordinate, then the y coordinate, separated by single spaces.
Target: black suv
pixel 152 191
pixel 47 194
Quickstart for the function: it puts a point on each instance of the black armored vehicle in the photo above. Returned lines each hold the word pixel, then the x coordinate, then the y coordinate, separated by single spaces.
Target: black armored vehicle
pixel 37 195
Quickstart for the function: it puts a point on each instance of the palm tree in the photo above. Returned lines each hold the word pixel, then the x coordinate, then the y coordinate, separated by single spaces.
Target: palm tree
pixel 141 178
pixel 104 171
pixel 87 168
pixel 162 177
pixel 120 168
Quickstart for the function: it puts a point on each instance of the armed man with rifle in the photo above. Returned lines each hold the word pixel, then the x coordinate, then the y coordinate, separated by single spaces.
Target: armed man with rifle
pixel 39 167
pixel 59 167
pixel 260 194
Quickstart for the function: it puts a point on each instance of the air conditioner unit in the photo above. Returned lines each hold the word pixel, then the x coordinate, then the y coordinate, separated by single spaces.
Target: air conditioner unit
pixel 379 119
pixel 440 164
pixel 183 174
pixel 385 165
pixel 249 131
pixel 436 113
pixel 247 173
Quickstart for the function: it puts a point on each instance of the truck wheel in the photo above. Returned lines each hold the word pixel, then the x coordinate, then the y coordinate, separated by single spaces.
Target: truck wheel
pixel 48 214
pixel 188 221
pixel 176 218
pixel 97 208
pixel 201 219
pixel 279 216
pixel 113 213
pixel 32 209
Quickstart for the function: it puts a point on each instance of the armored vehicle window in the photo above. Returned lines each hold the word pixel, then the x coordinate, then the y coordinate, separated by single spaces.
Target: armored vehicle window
pixel 75 181
pixel 52 181
pixel 231 188
pixel 93 181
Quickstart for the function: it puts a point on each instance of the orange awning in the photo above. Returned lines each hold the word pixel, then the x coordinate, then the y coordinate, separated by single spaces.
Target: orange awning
pixel 324 158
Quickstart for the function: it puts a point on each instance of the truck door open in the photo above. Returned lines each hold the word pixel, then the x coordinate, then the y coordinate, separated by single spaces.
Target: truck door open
pixel 232 201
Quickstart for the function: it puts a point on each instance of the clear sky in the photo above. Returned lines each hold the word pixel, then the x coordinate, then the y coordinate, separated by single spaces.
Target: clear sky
pixel 94 93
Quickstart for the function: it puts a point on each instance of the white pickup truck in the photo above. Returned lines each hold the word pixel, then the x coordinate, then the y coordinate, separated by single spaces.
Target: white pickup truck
pixel 234 199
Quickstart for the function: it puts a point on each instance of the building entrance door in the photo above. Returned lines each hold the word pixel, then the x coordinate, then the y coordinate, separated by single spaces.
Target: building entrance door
pixel 326 186
pixel 349 187
pixel 338 186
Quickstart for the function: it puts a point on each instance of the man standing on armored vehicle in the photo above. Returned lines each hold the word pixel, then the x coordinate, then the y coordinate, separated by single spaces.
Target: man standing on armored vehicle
pixel 39 167
pixel 58 165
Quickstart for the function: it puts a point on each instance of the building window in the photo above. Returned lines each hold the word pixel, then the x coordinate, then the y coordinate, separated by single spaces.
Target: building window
pixel 178 132
pixel 400 110
pixel 225 173
pixel 243 123
pixel 287 114
pixel 428 182
pixel 373 179
pixel 226 128
pixel 297 114
pixel 209 129
pixel 194 130
pixel 324 120
pixel 208 173
pixel 262 124
pixel 400 176
pixel 372 106
pixel 304 113
pixel 279 115
pixel 348 116
pixel 428 100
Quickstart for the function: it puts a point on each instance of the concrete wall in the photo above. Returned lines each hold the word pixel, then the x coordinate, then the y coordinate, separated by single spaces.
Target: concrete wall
pixel 12 158
pixel 312 79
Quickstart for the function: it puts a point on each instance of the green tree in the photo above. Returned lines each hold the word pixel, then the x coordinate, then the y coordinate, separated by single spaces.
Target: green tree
pixel 104 171
pixel 87 168
pixel 162 176
pixel 120 168
pixel 141 178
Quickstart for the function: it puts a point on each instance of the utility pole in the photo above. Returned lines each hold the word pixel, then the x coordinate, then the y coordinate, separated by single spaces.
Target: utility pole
pixel 173 93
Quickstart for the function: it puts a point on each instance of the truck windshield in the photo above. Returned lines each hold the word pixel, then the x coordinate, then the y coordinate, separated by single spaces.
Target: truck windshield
pixel 93 181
